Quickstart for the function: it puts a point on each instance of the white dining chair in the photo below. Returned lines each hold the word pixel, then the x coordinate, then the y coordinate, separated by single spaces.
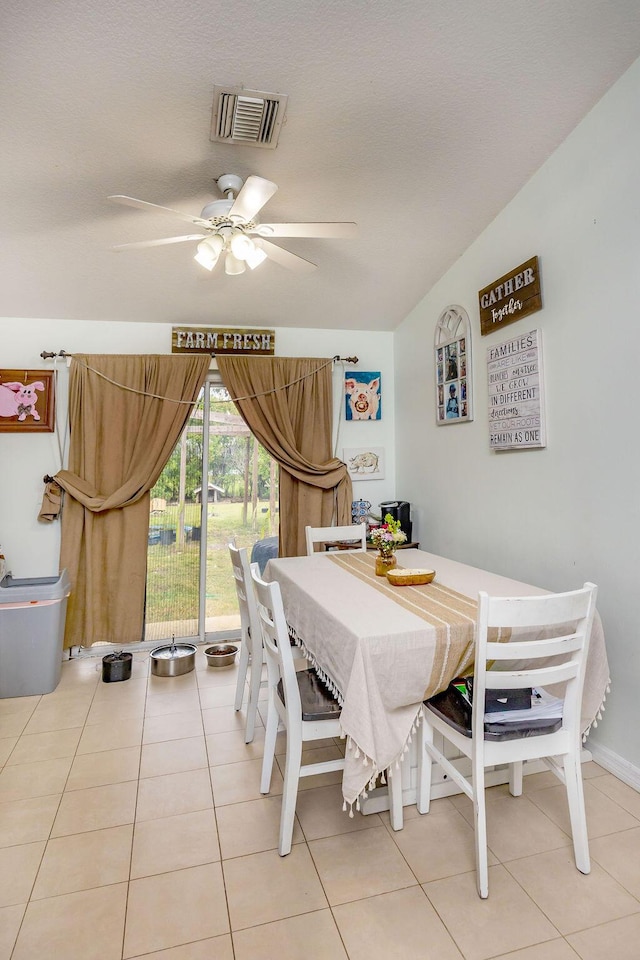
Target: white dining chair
pixel 356 532
pixel 251 651
pixel 297 700
pixel 563 623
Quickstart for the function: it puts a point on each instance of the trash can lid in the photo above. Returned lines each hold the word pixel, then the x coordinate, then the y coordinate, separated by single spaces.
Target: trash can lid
pixel 10 581
pixel 30 589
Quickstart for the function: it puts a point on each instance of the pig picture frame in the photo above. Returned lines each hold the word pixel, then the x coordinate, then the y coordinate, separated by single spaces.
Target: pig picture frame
pixel 364 463
pixel 363 395
pixel 27 401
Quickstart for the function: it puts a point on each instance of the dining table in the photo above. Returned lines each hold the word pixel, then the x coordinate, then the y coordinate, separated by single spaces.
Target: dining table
pixel 383 649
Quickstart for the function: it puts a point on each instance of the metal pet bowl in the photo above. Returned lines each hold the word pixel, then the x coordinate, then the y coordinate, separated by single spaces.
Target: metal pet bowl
pixel 173 659
pixel 221 654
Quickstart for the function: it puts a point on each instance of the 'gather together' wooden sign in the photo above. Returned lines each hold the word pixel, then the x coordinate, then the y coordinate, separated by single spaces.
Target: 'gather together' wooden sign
pixel 513 296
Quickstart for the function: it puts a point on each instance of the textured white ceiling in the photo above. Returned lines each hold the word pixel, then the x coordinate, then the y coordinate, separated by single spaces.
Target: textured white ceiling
pixel 418 119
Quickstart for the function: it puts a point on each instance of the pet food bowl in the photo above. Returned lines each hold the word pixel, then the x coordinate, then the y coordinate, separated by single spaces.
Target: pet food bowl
pixel 173 659
pixel 221 654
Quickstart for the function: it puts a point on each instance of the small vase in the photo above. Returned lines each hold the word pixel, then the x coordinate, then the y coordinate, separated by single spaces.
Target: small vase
pixel 384 562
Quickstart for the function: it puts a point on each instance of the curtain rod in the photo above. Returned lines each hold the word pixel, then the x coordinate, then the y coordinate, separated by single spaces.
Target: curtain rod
pixel 50 355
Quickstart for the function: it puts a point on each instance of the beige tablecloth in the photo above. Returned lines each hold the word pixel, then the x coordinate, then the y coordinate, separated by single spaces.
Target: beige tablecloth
pixel 381 658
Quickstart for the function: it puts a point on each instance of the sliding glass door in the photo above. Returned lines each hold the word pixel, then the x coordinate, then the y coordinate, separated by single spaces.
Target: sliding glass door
pixel 218 485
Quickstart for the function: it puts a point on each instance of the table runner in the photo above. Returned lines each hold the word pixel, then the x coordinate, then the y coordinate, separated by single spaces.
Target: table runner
pixel 450 613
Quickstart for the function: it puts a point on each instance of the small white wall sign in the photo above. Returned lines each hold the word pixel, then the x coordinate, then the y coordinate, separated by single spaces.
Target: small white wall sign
pixel 516 393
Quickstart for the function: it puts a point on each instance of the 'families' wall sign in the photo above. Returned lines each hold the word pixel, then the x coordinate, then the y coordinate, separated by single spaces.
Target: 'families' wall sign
pixel 222 340
pixel 516 397
pixel 513 296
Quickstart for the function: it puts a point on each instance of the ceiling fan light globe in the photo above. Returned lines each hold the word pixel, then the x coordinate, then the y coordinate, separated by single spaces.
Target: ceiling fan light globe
pixel 205 260
pixel 233 266
pixel 255 258
pixel 241 245
pixel 208 251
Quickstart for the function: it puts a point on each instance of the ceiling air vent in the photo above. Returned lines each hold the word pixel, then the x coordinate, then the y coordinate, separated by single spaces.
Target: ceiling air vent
pixel 247 116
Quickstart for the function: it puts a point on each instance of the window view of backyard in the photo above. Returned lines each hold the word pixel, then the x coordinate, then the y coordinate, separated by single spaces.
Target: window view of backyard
pixel 241 495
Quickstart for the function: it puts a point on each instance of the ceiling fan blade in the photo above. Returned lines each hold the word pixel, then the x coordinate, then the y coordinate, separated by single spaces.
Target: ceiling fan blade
pixel 144 205
pixel 344 231
pixel 252 198
pixel 158 243
pixel 285 258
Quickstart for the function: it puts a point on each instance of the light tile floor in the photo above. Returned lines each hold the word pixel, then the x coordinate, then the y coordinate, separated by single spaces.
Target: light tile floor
pixel 131 825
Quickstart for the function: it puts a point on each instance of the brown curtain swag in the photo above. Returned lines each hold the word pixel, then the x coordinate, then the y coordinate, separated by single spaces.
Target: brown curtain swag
pixel 287 405
pixel 121 440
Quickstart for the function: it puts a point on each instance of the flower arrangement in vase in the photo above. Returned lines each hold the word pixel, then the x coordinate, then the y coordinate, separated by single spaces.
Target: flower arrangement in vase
pixel 387 538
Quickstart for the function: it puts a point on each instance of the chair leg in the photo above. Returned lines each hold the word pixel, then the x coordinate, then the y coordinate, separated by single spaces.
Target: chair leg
pixel 394 785
pixel 575 799
pixel 515 778
pixel 255 679
pixel 425 766
pixel 243 664
pixel 480 827
pixel 270 734
pixel 290 790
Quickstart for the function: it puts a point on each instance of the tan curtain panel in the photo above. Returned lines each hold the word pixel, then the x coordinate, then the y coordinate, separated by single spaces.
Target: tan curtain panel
pixel 120 442
pixel 290 413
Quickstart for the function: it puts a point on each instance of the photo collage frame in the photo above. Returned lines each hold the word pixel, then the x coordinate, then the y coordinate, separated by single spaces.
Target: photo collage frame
pixel 453 367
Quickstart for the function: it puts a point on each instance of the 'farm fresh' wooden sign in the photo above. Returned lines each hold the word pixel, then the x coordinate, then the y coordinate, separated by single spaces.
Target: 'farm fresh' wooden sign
pixel 513 296
pixel 222 340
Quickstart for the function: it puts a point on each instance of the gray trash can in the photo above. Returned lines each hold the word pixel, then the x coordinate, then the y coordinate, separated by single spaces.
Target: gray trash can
pixel 32 618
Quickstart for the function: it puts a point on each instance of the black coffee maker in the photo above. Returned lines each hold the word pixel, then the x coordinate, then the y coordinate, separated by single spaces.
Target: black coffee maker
pixel 399 510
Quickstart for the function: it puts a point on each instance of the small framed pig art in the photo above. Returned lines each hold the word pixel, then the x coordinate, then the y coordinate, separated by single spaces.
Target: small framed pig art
pixel 27 399
pixel 364 463
pixel 363 396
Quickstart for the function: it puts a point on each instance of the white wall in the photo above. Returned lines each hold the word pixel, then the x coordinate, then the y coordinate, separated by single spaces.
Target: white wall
pixel 559 516
pixel 32 547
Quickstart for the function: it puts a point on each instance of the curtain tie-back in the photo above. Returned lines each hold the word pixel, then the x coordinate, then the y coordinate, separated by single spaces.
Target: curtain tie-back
pixel 95 501
pixel 51 501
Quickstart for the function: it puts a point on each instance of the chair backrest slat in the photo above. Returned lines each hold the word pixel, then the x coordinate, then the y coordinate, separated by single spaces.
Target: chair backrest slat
pixel 320 535
pixel 543 647
pixel 535 677
pixel 553 608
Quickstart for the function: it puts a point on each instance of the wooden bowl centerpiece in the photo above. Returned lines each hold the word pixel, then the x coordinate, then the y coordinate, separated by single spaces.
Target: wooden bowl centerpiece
pixel 401 577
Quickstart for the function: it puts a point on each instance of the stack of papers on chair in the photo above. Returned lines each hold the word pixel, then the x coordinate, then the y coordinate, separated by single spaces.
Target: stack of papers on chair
pixel 543 707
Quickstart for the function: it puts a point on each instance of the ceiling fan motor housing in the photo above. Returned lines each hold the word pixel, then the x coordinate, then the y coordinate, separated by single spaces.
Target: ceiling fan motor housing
pixel 217 209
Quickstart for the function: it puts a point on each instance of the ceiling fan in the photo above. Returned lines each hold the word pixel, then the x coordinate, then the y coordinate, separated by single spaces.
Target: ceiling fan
pixel 231 227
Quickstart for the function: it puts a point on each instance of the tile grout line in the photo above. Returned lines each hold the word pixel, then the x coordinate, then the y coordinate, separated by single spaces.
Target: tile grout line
pixel 47 841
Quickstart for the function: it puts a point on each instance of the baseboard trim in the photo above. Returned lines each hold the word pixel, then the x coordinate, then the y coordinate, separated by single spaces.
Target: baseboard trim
pixel 615 764
pixel 102 649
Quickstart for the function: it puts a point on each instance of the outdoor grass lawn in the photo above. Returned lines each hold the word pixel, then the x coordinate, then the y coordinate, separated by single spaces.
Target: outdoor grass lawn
pixel 173 571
